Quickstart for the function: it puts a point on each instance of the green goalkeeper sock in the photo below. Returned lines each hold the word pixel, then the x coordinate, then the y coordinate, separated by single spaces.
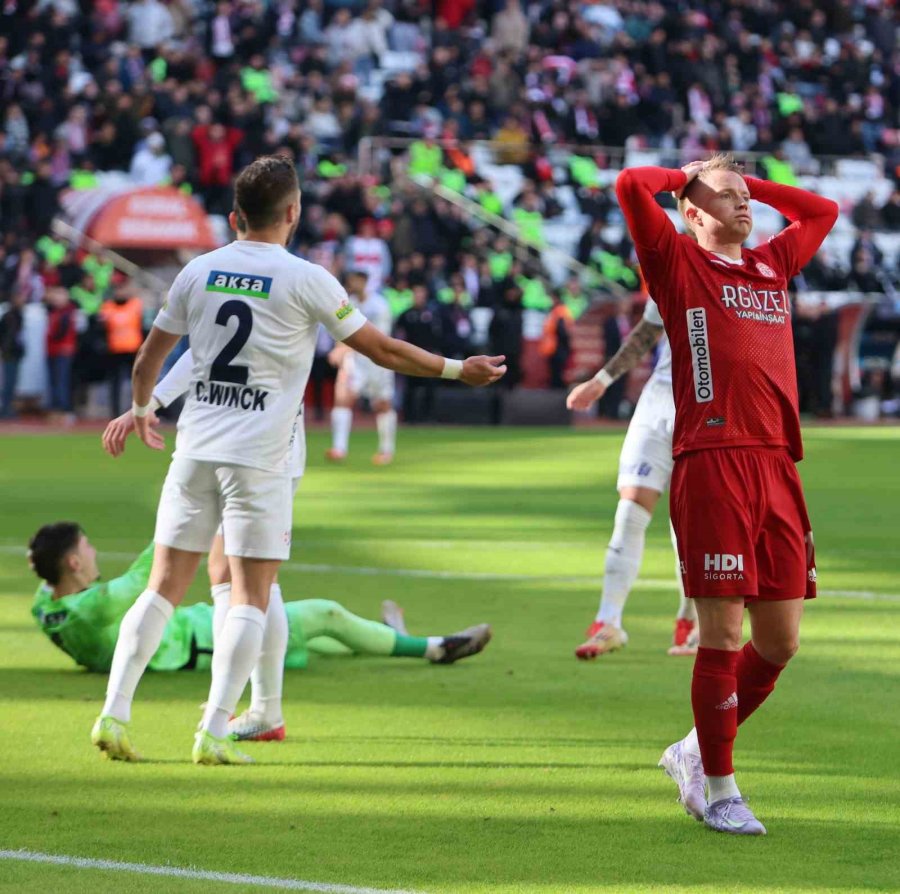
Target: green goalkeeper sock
pixel 410 646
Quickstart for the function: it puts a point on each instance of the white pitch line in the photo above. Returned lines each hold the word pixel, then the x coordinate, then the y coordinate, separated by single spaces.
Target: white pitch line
pixel 650 583
pixel 229 878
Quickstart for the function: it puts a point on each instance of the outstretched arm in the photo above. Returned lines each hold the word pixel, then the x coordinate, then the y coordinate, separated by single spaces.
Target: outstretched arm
pixel 811 217
pixel 640 340
pixel 146 371
pixel 409 360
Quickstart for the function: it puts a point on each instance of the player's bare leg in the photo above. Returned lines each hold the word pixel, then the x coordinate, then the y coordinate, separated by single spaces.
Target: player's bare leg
pixel 686 638
pixel 386 422
pixel 623 561
pixel 341 414
pixel 140 634
pixel 236 653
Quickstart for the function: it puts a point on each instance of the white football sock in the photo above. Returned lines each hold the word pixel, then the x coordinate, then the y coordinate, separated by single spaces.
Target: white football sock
pixel 233 659
pixel 721 787
pixel 691 743
pixel 623 560
pixel 140 634
pixel 387 431
pixel 221 597
pixel 686 607
pixel 434 651
pixel 341 422
pixel 268 675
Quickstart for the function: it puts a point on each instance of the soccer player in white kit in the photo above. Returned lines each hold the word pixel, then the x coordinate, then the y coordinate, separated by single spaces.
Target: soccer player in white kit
pixel 645 467
pixel 360 377
pixel 252 311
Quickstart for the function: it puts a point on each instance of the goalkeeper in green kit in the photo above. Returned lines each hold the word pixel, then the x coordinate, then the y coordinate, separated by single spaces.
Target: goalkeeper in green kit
pixel 81 614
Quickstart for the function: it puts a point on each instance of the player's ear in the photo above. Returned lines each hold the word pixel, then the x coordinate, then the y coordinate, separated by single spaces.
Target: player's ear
pixel 235 222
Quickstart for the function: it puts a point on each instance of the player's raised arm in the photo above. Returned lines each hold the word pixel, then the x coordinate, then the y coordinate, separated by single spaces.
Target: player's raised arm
pixel 402 357
pixel 648 223
pixel 639 341
pixel 811 217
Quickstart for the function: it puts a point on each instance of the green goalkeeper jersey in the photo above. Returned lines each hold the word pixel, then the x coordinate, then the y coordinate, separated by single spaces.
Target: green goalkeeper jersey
pixel 85 625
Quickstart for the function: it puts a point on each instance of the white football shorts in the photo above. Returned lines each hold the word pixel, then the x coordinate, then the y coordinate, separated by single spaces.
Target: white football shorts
pixel 646 457
pixel 254 508
pixel 368 379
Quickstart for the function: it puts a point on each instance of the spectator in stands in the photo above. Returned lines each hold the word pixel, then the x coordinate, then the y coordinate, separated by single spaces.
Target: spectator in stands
pixel 505 333
pixel 890 212
pixel 152 164
pixel 62 340
pixel 12 350
pixel 556 339
pixel 123 318
pixel 615 330
pixel 865 215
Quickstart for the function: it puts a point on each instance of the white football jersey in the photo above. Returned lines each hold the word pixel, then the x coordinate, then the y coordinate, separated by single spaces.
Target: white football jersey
pixel 662 372
pixel 177 382
pixel 252 311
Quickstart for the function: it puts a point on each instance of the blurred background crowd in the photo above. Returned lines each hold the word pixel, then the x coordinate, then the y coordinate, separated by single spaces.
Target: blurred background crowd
pixel 461 152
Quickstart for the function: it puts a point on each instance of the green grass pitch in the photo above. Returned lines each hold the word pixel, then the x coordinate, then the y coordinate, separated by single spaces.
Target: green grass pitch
pixel 520 770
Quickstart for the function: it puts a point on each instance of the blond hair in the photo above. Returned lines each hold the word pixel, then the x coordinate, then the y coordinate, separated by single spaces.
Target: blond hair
pixel 718 161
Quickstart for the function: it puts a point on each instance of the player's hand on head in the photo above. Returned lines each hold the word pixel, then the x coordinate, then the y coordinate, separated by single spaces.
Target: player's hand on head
pixel 690 171
pixel 481 370
pixel 582 396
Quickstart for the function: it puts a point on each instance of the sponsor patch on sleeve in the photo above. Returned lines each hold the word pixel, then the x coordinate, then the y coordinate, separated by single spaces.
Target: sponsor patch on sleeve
pixel 344 311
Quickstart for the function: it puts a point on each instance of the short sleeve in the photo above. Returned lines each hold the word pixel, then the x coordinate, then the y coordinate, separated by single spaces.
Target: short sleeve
pixel 172 317
pixel 651 313
pixel 330 305
pixel 176 381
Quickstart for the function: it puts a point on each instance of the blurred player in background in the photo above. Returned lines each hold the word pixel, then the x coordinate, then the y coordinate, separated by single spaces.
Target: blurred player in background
pixel 737 503
pixel 81 614
pixel 252 311
pixel 645 467
pixel 359 377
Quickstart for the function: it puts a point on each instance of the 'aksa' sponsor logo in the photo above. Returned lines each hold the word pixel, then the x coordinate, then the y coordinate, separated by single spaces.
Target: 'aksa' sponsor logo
pixel 344 311
pixel 239 284
pixel 698 336
pixel 723 566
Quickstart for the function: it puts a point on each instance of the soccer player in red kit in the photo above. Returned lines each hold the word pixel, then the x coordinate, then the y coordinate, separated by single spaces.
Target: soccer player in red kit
pixel 736 502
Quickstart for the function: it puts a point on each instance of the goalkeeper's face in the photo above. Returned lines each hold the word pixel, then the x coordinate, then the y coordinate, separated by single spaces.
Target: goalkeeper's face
pixel 82 561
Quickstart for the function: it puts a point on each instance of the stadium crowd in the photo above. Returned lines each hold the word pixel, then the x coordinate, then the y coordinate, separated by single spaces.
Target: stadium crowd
pixel 186 92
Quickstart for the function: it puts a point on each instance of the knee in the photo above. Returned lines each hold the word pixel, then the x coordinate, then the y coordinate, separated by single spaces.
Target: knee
pixel 779 651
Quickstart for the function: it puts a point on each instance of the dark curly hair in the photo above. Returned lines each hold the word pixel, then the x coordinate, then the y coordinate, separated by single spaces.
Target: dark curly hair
pixel 49 545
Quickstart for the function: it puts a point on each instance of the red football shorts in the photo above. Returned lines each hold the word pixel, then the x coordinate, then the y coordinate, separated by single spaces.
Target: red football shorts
pixel 742 526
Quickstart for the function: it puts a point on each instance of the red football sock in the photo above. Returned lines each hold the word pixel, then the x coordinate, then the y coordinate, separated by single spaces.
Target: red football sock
pixel 755 680
pixel 714 699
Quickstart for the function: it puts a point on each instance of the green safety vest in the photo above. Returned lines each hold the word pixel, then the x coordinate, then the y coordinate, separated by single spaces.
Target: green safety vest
pixel 534 295
pixel 89 302
pixel 399 300
pixel 80 180
pixel 259 83
pixel 788 104
pixel 453 179
pixel 576 303
pixel 100 270
pixel 499 263
pixel 328 169
pixel 424 159
pixel 159 68
pixel 584 171
pixel 530 224
pixel 54 252
pixel 445 296
pixel 490 201
pixel 614 268
pixel 779 171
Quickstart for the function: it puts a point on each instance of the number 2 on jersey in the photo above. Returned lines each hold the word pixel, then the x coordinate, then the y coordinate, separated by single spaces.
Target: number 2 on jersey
pixel 222 369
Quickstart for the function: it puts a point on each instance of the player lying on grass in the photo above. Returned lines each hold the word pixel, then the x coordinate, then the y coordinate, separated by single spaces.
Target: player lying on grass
pixel 645 468
pixel 82 614
pixel 744 536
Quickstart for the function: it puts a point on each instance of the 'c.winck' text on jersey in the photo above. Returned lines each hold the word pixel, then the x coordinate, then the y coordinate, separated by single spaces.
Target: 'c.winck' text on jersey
pixel 235 396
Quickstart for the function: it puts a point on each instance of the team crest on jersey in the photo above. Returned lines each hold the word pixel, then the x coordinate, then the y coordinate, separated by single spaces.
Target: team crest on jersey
pixel 239 284
pixel 766 270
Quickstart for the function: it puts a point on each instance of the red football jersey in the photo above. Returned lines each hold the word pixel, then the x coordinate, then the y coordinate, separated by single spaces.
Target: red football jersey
pixel 728 322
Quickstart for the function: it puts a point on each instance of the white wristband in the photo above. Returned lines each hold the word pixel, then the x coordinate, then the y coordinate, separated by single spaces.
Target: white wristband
pixel 452 369
pixel 140 412
pixel 604 378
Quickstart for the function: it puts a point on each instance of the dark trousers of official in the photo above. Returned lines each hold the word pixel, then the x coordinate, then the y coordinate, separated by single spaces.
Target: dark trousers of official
pixel 120 366
pixel 418 399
